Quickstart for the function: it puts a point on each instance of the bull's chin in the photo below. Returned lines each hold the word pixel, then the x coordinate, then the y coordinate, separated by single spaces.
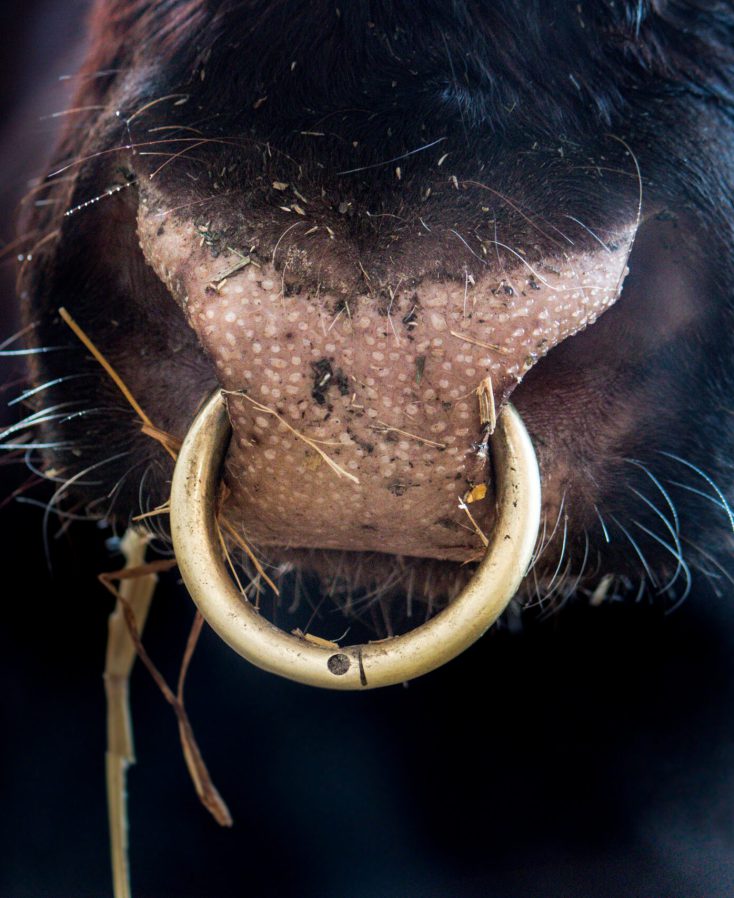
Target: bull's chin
pixel 197 524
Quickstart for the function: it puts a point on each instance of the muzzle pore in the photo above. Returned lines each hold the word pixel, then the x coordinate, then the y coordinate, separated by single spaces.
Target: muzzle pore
pixel 362 423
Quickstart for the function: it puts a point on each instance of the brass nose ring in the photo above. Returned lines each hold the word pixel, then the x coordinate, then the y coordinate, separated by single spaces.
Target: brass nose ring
pixel 196 543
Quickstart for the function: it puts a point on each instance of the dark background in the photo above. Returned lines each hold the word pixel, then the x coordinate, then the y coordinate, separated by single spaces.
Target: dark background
pixel 590 755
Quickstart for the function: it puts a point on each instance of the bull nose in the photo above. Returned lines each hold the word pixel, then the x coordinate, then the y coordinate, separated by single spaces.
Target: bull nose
pixel 357 421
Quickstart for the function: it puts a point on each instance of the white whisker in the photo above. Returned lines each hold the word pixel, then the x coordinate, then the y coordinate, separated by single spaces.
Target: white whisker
pixel 549 588
pixel 50 383
pixel 638 551
pixel 658 484
pixel 36 350
pixel 603 525
pixel 708 480
pixel 54 500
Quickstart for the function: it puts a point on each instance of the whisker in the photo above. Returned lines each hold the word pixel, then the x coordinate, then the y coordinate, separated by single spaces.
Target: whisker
pixel 49 383
pixel 39 472
pixel 640 591
pixel 679 553
pixel 59 444
pixel 58 512
pixel 550 596
pixel 145 107
pixel 111 191
pixel 54 500
pixel 603 525
pixel 661 488
pixel 79 76
pixel 539 542
pixel 289 228
pixel 709 557
pixel 686 592
pixel 555 526
pixel 639 203
pixel 708 480
pixel 426 146
pixel 588 230
pixel 153 524
pixel 17 335
pixel 681 566
pixel 28 484
pixel 520 212
pixel 560 559
pixel 45 475
pixel 457 234
pixel 71 111
pixel 83 413
pixel 584 562
pixel 40 417
pixel 36 350
pixel 638 552
pixel 701 493
pixel 240 143
pixel 535 274
pixel 114 492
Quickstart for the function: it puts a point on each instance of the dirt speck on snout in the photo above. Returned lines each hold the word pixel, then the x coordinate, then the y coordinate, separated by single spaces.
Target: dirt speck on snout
pixel 324 378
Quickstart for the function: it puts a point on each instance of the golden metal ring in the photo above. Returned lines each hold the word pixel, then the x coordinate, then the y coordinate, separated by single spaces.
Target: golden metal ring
pixel 196 543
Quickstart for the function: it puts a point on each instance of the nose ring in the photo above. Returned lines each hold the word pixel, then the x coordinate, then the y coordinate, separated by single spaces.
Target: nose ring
pixel 196 542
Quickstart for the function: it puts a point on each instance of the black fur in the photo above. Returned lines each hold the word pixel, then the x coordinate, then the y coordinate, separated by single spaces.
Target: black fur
pixel 556 107
pixel 611 748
